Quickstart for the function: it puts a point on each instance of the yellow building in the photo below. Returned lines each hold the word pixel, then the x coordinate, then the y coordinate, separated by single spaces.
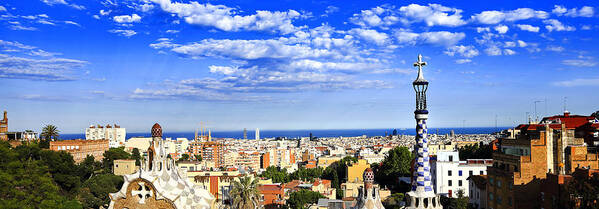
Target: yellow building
pixel 355 171
pixel 434 148
pixel 325 161
pixel 124 167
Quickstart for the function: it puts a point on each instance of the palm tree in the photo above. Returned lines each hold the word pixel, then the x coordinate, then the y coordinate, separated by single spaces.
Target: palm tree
pixel 245 193
pixel 49 132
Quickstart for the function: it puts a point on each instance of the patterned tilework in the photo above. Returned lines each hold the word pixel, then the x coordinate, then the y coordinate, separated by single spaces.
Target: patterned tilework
pixel 421 178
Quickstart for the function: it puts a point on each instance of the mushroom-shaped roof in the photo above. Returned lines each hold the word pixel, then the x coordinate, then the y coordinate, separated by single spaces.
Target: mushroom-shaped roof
pixel 368 175
pixel 156 130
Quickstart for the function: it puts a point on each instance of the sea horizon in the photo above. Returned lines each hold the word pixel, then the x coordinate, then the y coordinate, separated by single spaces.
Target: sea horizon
pixel 306 133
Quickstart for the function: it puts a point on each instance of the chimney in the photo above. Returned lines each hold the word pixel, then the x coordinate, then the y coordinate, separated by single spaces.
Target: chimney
pixel 566 114
pixel 5 118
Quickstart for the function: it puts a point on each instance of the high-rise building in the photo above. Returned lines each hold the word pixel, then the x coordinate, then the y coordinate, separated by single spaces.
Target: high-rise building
pixel 245 133
pixel 4 127
pixel 450 174
pixel 257 134
pixel 422 194
pixel 114 134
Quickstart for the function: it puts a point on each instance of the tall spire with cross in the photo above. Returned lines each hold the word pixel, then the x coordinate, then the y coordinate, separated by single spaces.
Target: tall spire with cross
pixel 422 194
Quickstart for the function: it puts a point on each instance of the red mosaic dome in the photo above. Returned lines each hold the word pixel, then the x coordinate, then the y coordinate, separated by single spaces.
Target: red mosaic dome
pixel 368 175
pixel 156 130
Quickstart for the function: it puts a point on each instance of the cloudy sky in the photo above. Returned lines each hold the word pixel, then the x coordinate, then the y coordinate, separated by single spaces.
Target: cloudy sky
pixel 292 64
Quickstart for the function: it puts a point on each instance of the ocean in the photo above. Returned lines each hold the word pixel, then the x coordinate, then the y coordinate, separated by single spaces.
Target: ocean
pixel 306 133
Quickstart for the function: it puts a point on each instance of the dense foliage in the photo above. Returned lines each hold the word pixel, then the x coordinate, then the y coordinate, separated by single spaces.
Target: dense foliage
pixel 394 201
pixel 476 152
pixel 397 163
pixel 302 198
pixel 32 177
pixel 245 193
pixel 583 193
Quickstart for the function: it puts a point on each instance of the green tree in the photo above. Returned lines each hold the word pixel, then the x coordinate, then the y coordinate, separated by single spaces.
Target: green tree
pixel 88 167
pixel 135 155
pixel 302 198
pixel 277 174
pixel 27 182
pixel 476 152
pixel 582 193
pixel 394 201
pixel 306 174
pixel 184 157
pixel 113 154
pixel 460 202
pixel 198 157
pixel 49 132
pixel 245 193
pixel 397 163
pixel 337 173
pixel 94 191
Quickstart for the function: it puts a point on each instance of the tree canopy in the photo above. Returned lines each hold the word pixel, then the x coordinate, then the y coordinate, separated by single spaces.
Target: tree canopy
pixel 397 163
pixel 303 197
pixel 476 152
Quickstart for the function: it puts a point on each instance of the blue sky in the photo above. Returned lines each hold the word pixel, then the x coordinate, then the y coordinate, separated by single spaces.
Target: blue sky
pixel 292 64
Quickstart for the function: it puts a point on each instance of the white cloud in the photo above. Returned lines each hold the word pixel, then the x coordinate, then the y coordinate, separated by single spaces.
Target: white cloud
pixel 462 61
pixel 370 35
pixel 510 44
pixel 145 7
pixel 585 11
pixel 579 62
pixel 104 12
pixel 227 19
pixel 578 82
pixel 53 69
pixel 372 17
pixel 494 17
pixel 528 28
pixel 127 18
pixel 19 27
pixel 555 48
pixel 172 31
pixel 72 23
pixel 553 24
pixel 493 51
pixel 443 38
pixel 433 14
pixel 126 33
pixel 522 43
pixel 585 27
pixel 330 10
pixel 509 52
pixel 483 29
pixel 465 51
pixel 63 2
pixel 502 29
pixel 2 9
pixel 45 22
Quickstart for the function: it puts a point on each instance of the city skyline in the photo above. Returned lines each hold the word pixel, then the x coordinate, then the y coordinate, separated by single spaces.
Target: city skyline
pixel 317 65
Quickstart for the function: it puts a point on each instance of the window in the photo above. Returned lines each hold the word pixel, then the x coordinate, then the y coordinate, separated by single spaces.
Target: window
pixel 460 173
pixel 459 182
pixel 509 201
pixel 470 173
pixel 498 184
pixel 491 196
pixel 449 183
pixel 481 172
pixel 449 173
pixel 491 182
pixel 499 200
pixel 451 158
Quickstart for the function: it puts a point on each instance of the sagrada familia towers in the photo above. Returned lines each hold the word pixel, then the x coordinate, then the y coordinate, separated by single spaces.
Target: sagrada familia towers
pixel 422 194
pixel 159 184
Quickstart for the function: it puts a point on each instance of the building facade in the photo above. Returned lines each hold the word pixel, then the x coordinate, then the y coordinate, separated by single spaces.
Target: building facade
pixel 114 133
pixel 4 127
pixel 124 167
pixel 529 153
pixel 450 175
pixel 80 149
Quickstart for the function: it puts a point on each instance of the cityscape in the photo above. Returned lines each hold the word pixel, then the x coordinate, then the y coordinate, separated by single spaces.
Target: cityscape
pixel 299 104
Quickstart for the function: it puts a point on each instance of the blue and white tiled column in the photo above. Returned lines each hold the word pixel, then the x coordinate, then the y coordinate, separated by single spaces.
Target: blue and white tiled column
pixel 421 178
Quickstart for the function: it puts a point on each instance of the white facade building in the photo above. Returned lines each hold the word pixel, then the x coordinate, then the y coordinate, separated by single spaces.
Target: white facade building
pixel 450 175
pixel 115 134
pixel 257 134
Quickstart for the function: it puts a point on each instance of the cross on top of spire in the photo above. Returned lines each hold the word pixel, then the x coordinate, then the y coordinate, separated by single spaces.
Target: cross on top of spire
pixel 420 64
